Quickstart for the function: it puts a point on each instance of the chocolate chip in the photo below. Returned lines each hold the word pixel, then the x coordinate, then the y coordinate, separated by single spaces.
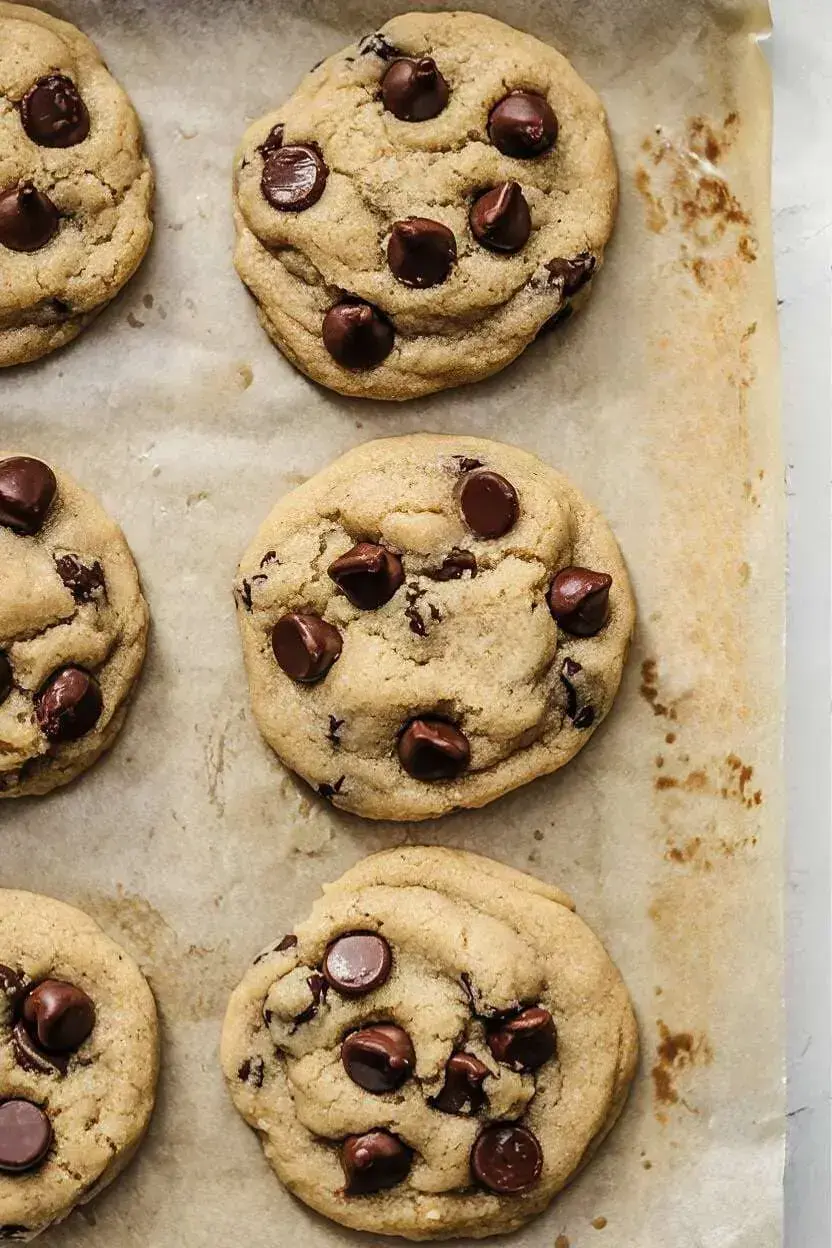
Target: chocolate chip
pixel 378 45
pixel 500 219
pixel 12 984
pixel 585 717
pixel 245 593
pixel 25 1136
pixel 294 177
pixel 251 1071
pixel 269 557
pixel 357 963
pixel 432 749
pixel 330 790
pixel 357 335
pixel 68 705
pixel 28 218
pixel 30 1056
pixel 374 1162
pixel 6 676
pixel 455 566
pixel 27 487
pixel 523 125
pixel 466 464
pixel 579 599
pixel 82 580
pixel 288 942
pixel 525 1041
pixel 58 1016
pixel 571 274
pixel 334 725
pixel 53 113
pixel 562 314
pixel 414 90
pixel 379 1058
pixel 506 1158
pixel 273 140
pixel 417 624
pixel 318 986
pixel 489 503
pixel 369 575
pixel 305 646
pixel 421 252
pixel 464 1075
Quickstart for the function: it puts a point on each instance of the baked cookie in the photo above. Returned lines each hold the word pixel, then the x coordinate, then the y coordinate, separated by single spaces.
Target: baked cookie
pixel 78 1061
pixel 436 1051
pixel 423 205
pixel 75 184
pixel 430 622
pixel 73 628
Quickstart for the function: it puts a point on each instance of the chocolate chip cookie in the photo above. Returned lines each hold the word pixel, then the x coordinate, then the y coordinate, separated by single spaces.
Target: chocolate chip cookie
pixel 430 622
pixel 436 1051
pixel 423 205
pixel 78 1061
pixel 73 627
pixel 75 184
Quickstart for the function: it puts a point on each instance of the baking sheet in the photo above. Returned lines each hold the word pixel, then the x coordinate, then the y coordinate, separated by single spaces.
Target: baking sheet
pixel 191 844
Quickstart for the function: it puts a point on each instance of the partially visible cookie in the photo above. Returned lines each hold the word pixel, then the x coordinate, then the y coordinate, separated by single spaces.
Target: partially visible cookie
pixel 423 205
pixel 73 627
pixel 436 1051
pixel 430 622
pixel 78 1061
pixel 75 184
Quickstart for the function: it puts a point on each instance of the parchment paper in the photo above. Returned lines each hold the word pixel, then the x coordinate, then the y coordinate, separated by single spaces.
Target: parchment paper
pixel 191 844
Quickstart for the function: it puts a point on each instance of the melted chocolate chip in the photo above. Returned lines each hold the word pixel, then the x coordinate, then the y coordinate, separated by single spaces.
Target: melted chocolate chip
pixel 293 177
pixel 378 45
pixel 288 942
pixel 305 646
pixel 432 749
pixel 466 464
pixel 548 326
pixel 464 1076
pixel 6 676
pixel 379 1058
pixel 374 1162
pixel 269 557
pixel 500 218
pixel 369 575
pixel 571 274
pixel 585 716
pixel 414 90
pixel 83 581
pixel 489 503
pixel 525 1041
pixel 68 705
pixel 53 113
pixel 579 599
pixel 58 1016
pixel 417 624
pixel 25 1136
pixel 357 335
pixel 28 218
pixel 357 963
pixel 330 790
pixel 506 1158
pixel 523 125
pixel 454 567
pixel 252 1071
pixel 318 986
pixel 421 252
pixel 334 725
pixel 27 487
pixel 30 1056
pixel 273 140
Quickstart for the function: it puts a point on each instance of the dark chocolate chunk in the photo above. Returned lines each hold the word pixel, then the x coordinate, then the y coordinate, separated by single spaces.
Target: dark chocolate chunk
pixel 58 1016
pixel 525 1041
pixel 500 218
pixel 523 125
pixel 548 326
pixel 334 725
pixel 433 749
pixel 417 624
pixel 318 986
pixel 584 716
pixel 414 90
pixel 6 676
pixel 330 790
pixel 379 1058
pixel 572 274
pixel 489 503
pixel 579 599
pixel 68 705
pixel 288 942
pixel 28 218
pixel 357 963
pixel 273 140
pixel 29 1054
pixel 369 575
pixel 293 177
pixel 466 464
pixel 374 1162
pixel 252 1071
pixel 378 45
pixel 27 487
pixel 82 580
pixel 269 557
pixel 25 1136
pixel 357 335
pixel 464 1075
pixel 421 252
pixel 457 563
pixel 53 113
pixel 506 1158
pixel 305 646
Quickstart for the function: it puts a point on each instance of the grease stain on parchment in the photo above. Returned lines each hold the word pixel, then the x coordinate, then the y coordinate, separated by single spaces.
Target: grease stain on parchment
pixel 681 184
pixel 730 779
pixel 677 1054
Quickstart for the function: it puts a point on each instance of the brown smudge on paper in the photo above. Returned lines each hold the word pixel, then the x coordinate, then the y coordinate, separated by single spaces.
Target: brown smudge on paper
pixel 677 1053
pixel 561 1242
pixel 649 690
pixel 599 1223
pixel 730 779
